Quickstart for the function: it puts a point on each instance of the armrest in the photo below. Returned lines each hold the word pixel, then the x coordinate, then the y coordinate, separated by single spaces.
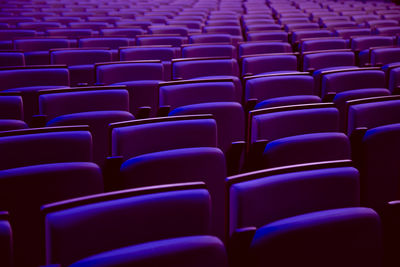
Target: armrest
pixel 233 157
pixel 163 111
pixel 143 113
pixel 239 244
pixel 111 173
pixel 38 121
pixel 329 97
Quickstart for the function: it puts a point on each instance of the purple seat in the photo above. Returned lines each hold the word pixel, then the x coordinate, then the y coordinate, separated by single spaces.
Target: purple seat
pixel 209 50
pixel 174 41
pixel 80 62
pixel 6 240
pixel 179 210
pixel 234 31
pixel 206 68
pixel 388 30
pixel 280 90
pixel 344 235
pixel 363 43
pixel 38 26
pixel 322 44
pixel 381 23
pixel 298 35
pixel 53 165
pixel 12 58
pixel 253 48
pixel 173 147
pixel 267 36
pixel 126 32
pixel 210 38
pixel 11 113
pixel 384 56
pixel 263 27
pixel 36 51
pixel 328 59
pixel 263 64
pixel 301 26
pixel 182 31
pixel 28 80
pixel 349 33
pixel 308 133
pixel 141 79
pixel 70 32
pixel 7 35
pixel 112 43
pixel 96 107
pixel 179 252
pixel 339 24
pixel 94 26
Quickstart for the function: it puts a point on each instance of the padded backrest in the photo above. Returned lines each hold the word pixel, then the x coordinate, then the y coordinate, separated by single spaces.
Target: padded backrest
pixel 327 60
pixel 347 237
pixel 57 104
pixel 232 30
pixel 128 32
pixel 28 148
pixel 383 56
pixel 216 50
pixel 9 34
pixel 348 33
pixel 179 166
pixel 263 64
pixel 264 48
pixel 301 34
pixel 113 43
pixel 210 38
pixel 39 185
pixel 144 53
pixel 379 165
pixel 175 41
pixel 323 44
pixel 40 44
pixel 8 59
pixel 69 32
pixel 134 140
pixel 123 219
pixel 183 31
pixel 373 114
pixel 33 77
pixel 11 107
pixel 176 95
pixel 275 125
pixel 123 72
pixel 268 36
pixel 178 252
pixel 351 80
pixel 365 42
pixel 289 194
pixel 208 67
pixel 278 86
pixel 80 57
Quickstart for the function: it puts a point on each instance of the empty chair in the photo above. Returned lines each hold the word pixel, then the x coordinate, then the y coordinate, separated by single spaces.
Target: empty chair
pixel 140 78
pixel 71 229
pixel 381 23
pixel 80 62
pixel 322 44
pixel 36 51
pixel 112 43
pixel 183 31
pixel 96 107
pixel 295 134
pixel 11 113
pixel 267 36
pixel 125 31
pixel 179 156
pixel 374 124
pixel 344 85
pixel 263 47
pixel 333 25
pixel 263 27
pixel 6 240
pixel 346 236
pixel 175 41
pixel 271 90
pixel 349 33
pixel 38 26
pixel 94 26
pixel 12 58
pixel 362 44
pixel 301 26
pixel 210 38
pixel 164 53
pixel 388 30
pixel 7 35
pixel 234 31
pixel 262 64
pixel 70 32
pixel 28 80
pixel 53 164
pixel 209 50
pixel 205 68
pixel 329 59
pixel 298 35
pixel 383 56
